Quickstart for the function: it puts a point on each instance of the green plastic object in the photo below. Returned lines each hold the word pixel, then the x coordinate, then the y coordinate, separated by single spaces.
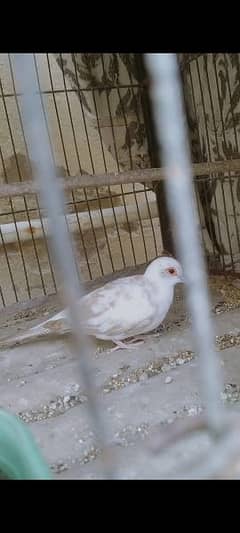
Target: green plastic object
pixel 20 457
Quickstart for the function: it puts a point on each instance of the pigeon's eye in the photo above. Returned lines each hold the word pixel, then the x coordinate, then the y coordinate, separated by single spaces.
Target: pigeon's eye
pixel 171 271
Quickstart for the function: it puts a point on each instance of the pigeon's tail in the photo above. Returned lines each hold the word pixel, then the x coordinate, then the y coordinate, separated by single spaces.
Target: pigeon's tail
pixel 49 329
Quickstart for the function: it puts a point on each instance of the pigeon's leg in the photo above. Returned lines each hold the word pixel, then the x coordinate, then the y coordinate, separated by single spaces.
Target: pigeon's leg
pixel 135 341
pixel 138 340
pixel 125 345
pixel 142 338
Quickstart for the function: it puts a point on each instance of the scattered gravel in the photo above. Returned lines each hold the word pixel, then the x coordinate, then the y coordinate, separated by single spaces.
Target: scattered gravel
pixel 54 408
pixel 153 368
pixel 227 340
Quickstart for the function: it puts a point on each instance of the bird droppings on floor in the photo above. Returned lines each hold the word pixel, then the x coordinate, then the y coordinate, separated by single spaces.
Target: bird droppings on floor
pixel 152 386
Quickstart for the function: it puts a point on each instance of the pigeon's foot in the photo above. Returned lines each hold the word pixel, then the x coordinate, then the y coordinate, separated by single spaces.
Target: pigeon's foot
pixel 136 341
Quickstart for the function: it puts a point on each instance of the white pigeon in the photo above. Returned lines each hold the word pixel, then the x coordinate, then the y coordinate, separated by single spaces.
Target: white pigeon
pixel 126 307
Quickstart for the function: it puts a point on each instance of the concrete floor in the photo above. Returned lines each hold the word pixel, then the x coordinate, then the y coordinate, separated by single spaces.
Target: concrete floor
pixel 151 386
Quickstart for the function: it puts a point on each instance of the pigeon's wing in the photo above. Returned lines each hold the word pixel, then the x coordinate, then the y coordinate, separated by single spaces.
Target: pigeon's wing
pixel 119 309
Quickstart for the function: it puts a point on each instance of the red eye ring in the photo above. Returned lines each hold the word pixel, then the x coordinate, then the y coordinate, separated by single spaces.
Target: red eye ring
pixel 171 270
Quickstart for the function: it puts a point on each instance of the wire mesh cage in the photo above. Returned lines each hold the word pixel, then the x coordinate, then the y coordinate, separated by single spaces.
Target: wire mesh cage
pixel 94 111
pixel 98 123
pixel 211 87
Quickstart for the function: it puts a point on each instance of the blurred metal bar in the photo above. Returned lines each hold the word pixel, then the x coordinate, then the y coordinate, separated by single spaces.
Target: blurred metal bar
pixel 169 116
pixel 61 248
pixel 131 176
pixel 159 187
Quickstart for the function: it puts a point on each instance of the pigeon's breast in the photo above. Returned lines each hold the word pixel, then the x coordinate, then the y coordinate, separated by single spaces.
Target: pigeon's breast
pixel 160 299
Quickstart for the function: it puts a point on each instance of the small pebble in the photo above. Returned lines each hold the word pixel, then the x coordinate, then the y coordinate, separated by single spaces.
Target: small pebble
pixel 193 411
pixel 165 368
pixel 223 396
pixel 66 399
pixel 168 380
pixel 180 361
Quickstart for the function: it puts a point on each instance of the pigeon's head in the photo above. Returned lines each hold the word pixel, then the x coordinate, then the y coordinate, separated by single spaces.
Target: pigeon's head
pixel 166 269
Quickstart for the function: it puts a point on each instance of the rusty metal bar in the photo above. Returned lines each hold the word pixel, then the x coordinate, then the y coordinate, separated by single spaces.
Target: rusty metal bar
pixel 132 176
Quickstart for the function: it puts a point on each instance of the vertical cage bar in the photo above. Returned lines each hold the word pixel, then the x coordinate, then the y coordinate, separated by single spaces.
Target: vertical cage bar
pixel 168 109
pixel 159 188
pixel 52 198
